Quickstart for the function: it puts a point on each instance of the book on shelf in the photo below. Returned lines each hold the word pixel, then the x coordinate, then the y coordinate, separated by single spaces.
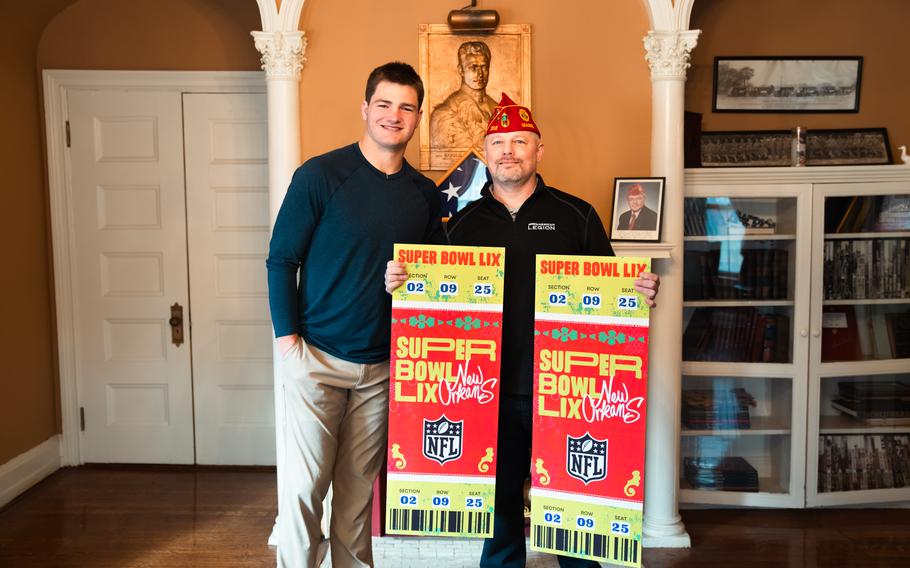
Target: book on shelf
pixel 740 334
pixel 874 403
pixel 762 275
pixel 716 409
pixel 894 213
pixel 728 473
pixel 863 462
pixel 867 269
pixel 899 334
pixel 840 336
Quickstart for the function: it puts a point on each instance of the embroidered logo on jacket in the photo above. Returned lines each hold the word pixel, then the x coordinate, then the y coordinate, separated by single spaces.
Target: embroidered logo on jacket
pixel 541 226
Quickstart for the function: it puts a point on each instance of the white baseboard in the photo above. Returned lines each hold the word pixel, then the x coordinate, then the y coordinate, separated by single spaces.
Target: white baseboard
pixel 25 470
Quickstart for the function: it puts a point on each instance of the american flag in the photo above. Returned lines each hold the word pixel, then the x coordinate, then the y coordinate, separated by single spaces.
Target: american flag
pixel 462 184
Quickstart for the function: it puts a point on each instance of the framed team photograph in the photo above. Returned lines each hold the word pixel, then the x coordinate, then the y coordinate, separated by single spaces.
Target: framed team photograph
pixel 637 209
pixel 801 84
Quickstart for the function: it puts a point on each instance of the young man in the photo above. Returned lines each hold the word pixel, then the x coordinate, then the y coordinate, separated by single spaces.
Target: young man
pixel 520 212
pixel 342 213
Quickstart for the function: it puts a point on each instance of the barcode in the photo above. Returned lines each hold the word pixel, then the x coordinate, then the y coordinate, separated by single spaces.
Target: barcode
pixel 583 543
pixel 436 522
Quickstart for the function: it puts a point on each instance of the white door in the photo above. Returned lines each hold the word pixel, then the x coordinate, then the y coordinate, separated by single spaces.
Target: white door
pixel 129 241
pixel 228 226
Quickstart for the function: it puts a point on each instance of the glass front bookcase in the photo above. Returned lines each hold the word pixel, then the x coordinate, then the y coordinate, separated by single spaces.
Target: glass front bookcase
pixel 745 301
pixel 859 431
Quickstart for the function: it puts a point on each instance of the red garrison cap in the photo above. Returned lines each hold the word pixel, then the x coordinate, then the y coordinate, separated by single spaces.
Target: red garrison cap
pixel 510 116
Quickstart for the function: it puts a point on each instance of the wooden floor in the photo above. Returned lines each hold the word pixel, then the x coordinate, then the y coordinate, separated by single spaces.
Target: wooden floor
pixel 141 517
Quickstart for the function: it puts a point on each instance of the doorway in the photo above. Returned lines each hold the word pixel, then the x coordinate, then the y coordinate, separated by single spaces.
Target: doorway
pixel 165 337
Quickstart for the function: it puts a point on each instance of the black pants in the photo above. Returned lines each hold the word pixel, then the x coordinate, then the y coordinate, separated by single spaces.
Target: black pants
pixel 513 462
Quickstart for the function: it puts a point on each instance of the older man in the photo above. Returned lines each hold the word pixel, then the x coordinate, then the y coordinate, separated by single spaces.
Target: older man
pixel 520 212
pixel 639 217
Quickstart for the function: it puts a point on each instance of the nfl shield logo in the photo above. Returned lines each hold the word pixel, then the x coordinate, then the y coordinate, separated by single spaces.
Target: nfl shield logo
pixel 586 458
pixel 442 439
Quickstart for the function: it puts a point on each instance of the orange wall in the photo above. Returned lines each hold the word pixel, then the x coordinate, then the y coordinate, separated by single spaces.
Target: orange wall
pixel 808 27
pixel 211 35
pixel 27 386
pixel 590 90
pixel 73 34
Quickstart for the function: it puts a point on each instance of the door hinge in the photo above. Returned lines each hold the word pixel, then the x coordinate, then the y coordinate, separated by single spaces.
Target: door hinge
pixel 68 140
pixel 82 418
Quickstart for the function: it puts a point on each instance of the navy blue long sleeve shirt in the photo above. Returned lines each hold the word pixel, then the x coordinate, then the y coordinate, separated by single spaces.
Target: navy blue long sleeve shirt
pixel 337 226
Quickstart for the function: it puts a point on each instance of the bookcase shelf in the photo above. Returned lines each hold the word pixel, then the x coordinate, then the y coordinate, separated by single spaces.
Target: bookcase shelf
pixel 868 235
pixel 735 303
pixel 848 426
pixel 747 237
pixel 760 426
pixel 870 301
pixel 834 278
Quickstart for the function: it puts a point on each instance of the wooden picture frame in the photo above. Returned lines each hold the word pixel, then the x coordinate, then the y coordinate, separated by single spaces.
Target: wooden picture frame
pixel 848 147
pixel 648 220
pixel 746 148
pixel 766 148
pixel 794 84
pixel 451 123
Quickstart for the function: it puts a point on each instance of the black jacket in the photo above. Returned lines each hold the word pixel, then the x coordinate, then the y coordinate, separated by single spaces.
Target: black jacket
pixel 549 222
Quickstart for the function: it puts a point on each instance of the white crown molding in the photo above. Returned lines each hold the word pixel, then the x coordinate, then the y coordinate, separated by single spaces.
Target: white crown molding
pixel 282 53
pixel 25 470
pixel 805 175
pixel 668 53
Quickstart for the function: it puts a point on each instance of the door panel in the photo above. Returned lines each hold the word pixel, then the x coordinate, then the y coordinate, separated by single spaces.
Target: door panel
pixel 126 163
pixel 228 230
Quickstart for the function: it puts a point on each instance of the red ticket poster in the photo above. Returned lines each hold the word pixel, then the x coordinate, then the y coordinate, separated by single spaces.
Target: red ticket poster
pixel 444 391
pixel 590 390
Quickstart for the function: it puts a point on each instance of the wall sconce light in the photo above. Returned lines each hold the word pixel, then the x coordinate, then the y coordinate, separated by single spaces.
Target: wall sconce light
pixel 470 19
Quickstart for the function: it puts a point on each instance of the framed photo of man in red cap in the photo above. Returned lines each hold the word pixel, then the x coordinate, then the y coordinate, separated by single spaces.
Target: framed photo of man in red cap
pixel 637 209
pixel 463 76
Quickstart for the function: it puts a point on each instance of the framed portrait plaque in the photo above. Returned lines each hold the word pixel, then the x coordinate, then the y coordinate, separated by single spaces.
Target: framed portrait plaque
pixel 464 77
pixel 637 209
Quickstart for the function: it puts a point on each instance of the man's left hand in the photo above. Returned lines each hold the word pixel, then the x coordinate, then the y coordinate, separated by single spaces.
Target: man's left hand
pixel 396 273
pixel 648 285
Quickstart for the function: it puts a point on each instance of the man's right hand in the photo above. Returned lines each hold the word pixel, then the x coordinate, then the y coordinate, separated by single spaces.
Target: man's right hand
pixel 286 343
pixel 395 275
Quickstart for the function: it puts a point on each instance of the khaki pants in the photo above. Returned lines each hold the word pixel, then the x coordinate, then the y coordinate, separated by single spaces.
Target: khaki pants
pixel 336 416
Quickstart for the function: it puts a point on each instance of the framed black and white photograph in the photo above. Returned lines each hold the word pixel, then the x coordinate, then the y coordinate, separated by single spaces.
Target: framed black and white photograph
pixel 848 147
pixel 787 84
pixel 637 209
pixel 746 148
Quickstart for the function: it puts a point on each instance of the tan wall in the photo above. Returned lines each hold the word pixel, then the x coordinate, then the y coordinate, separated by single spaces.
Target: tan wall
pixel 808 27
pixel 591 89
pixel 27 386
pixel 87 34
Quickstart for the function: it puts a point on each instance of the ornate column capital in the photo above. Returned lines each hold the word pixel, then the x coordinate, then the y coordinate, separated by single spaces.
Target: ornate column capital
pixel 282 53
pixel 668 52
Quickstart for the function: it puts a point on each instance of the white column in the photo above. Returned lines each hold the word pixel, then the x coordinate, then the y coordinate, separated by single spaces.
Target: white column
pixel 668 57
pixel 282 60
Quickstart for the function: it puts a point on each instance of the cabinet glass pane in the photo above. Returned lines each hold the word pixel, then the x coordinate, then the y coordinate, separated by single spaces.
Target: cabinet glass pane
pixel 736 433
pixel 866 313
pixel 739 278
pixel 864 433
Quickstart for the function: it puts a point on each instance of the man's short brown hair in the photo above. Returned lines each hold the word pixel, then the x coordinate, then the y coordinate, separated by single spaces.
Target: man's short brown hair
pixel 395 72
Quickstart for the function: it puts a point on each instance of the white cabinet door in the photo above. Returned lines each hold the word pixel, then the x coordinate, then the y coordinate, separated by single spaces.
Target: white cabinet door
pixel 129 246
pixel 228 223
